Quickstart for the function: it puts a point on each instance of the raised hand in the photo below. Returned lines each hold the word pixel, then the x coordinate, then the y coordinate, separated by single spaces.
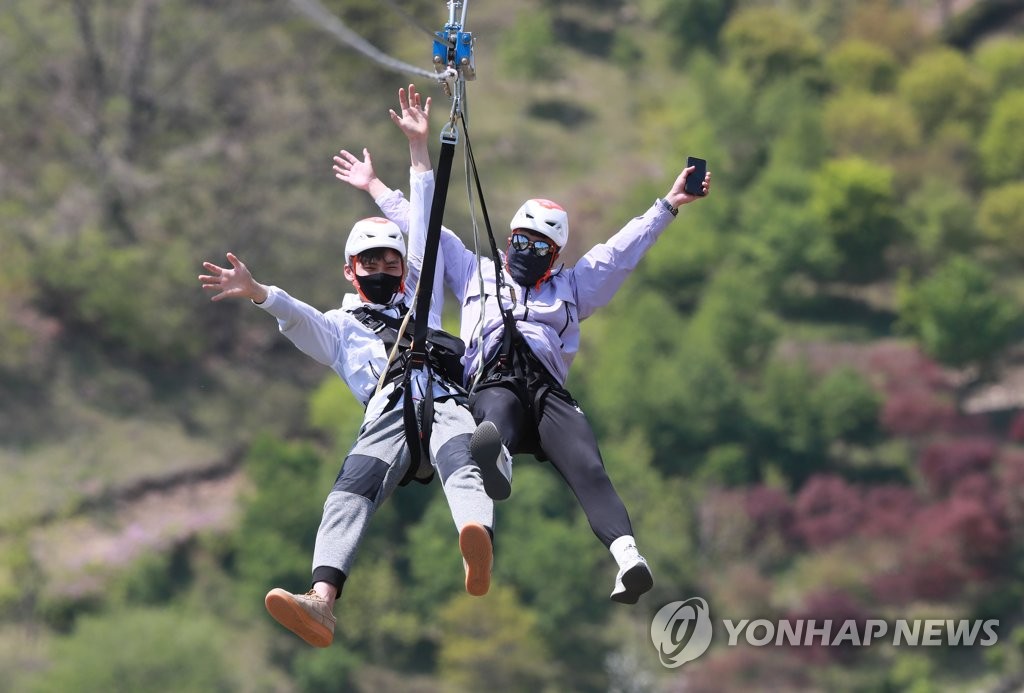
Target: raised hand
pixel 677 197
pixel 359 174
pixel 415 118
pixel 232 282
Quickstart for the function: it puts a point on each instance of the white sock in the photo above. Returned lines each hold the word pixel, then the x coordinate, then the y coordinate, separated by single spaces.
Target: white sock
pixel 624 550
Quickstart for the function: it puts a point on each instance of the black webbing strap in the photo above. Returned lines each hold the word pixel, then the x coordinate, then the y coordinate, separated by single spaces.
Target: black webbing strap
pixel 417 429
pixel 499 275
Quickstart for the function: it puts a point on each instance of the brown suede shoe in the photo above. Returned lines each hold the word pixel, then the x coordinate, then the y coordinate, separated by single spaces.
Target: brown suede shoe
pixel 306 615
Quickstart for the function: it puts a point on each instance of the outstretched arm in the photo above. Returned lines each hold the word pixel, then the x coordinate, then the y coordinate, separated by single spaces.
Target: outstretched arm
pixel 599 274
pixel 232 282
pixel 414 122
pixel 359 174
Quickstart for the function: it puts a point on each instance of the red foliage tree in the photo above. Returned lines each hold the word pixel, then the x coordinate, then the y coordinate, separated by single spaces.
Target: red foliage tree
pixel 943 463
pixel 888 510
pixel 827 509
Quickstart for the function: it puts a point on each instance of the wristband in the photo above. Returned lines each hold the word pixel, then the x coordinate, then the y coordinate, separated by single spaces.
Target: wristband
pixel 668 206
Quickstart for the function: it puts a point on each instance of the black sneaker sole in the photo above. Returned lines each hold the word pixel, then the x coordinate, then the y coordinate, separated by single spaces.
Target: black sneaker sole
pixel 485 446
pixel 636 581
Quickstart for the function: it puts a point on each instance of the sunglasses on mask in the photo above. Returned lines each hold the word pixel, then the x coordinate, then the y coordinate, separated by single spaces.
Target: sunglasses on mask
pixel 539 248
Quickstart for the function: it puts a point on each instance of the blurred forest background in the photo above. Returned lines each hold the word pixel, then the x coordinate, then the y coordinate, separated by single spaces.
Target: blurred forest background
pixel 808 395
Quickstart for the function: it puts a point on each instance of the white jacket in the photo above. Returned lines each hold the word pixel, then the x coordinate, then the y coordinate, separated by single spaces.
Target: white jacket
pixel 549 318
pixel 340 341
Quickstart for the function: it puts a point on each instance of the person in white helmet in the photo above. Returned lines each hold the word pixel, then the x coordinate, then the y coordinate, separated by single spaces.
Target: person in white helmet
pixel 520 372
pixel 354 340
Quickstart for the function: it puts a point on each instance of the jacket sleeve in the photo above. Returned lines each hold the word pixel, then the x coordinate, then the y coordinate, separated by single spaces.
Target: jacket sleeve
pixel 459 261
pixel 313 332
pixel 421 192
pixel 600 273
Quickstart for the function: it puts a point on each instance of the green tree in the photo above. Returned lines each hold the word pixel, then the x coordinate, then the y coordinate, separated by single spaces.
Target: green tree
pixel 769 43
pixel 781 236
pixel 1002 142
pixel 1001 217
pixel 143 650
pixel 855 204
pixel 861 65
pixel 957 314
pixel 529 50
pixel 1002 58
pixel 942 86
pixel 734 318
pixel 848 406
pixel 876 127
pixel 280 517
pixel 940 216
pixel 786 422
pixel 695 23
pixel 491 644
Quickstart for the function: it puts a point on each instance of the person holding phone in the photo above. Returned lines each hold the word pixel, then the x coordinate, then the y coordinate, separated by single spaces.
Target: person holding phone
pixel 517 371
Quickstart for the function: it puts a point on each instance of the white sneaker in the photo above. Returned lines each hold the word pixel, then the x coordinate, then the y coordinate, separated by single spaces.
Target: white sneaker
pixel 633 580
pixel 493 459
pixel 307 615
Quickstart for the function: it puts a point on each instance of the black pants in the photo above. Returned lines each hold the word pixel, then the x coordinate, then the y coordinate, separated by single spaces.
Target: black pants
pixel 546 422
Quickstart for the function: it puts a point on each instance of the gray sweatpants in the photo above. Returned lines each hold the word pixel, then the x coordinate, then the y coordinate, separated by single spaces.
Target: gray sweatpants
pixel 374 466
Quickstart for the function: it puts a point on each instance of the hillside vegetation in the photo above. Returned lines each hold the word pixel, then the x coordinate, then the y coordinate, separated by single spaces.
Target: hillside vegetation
pixel 794 392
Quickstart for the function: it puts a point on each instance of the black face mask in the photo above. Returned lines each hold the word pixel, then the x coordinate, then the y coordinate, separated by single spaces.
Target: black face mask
pixel 379 288
pixel 525 267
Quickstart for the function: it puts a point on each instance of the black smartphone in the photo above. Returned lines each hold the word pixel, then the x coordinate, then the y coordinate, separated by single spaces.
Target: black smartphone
pixel 694 184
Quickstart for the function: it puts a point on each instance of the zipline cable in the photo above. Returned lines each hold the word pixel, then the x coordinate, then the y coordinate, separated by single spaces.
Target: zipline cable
pixel 334 26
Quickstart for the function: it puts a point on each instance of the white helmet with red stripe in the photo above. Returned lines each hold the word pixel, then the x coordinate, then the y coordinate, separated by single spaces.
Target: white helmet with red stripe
pixel 545 217
pixel 373 232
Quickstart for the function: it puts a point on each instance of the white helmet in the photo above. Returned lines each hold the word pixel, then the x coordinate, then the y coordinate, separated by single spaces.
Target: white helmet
pixel 373 232
pixel 545 217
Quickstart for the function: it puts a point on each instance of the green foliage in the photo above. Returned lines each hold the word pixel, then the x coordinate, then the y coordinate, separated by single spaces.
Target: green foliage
pixel 1001 217
pixel 133 296
pixel 782 238
pixel 734 318
pixel 876 127
pixel 1002 58
pixel 855 203
pixel 957 314
pixel 491 644
pixel 1002 142
pixel 941 218
pixel 941 85
pixel 768 44
pixel 694 24
pixel 142 650
pixel 861 65
pixel 334 411
pixel 848 406
pixel 375 618
pixel 15 568
pixel 317 671
pixel 680 419
pixel 795 417
pixel 529 49
pixel 280 518
pixel 535 531
pixel 729 465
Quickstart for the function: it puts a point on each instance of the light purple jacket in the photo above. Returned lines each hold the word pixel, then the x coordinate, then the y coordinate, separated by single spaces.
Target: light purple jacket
pixel 339 340
pixel 548 318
